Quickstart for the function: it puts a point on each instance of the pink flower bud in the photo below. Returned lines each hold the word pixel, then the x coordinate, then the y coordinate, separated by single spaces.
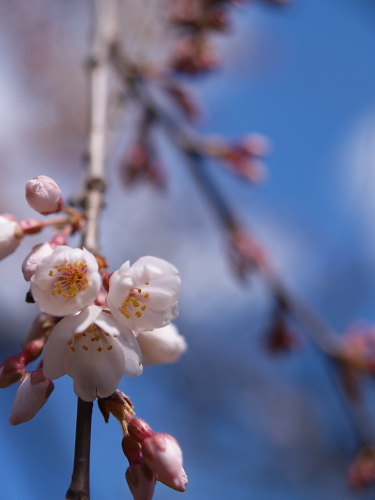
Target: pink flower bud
pixel 12 369
pixel 11 234
pixel 32 394
pixel 132 449
pixel 139 429
pixel 163 455
pixel 37 254
pixel 141 481
pixel 44 195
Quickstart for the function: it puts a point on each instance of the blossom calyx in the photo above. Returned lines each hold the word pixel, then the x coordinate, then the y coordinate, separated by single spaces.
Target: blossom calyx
pixel 144 296
pixel 32 394
pixel 11 234
pixel 44 195
pixel 118 404
pixel 65 281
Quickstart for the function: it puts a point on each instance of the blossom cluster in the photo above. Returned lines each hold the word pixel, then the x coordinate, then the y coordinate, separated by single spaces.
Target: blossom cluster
pixel 102 324
pixel 95 327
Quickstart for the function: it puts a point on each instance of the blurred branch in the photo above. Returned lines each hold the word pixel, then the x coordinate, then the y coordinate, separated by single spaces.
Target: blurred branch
pixel 104 35
pixel 323 336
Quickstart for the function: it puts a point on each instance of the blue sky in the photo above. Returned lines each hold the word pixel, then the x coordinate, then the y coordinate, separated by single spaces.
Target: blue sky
pixel 251 426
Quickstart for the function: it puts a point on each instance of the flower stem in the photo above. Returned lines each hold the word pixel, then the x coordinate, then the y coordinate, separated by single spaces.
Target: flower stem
pixel 79 488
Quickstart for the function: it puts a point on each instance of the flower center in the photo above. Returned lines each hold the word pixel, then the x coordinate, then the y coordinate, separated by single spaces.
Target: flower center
pixel 71 279
pixel 92 338
pixel 134 304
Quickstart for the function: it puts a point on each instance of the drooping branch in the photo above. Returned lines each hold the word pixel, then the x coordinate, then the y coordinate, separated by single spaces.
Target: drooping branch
pixel 104 34
pixel 322 335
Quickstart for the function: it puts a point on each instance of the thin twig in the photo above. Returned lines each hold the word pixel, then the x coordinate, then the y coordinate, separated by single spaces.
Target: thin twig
pixel 104 34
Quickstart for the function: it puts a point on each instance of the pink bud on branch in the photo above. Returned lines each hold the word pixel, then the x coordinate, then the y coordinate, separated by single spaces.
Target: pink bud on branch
pixel 141 481
pixel 44 195
pixel 32 394
pixel 163 455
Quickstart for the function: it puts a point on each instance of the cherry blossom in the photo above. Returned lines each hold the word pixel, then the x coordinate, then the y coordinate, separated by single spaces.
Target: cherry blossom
pixel 66 281
pixel 161 345
pixel 144 296
pixel 93 349
pixel 11 234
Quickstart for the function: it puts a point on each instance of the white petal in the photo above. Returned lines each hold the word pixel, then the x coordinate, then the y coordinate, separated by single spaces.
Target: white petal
pixel 162 345
pixel 87 317
pixel 56 344
pixel 154 266
pixel 132 353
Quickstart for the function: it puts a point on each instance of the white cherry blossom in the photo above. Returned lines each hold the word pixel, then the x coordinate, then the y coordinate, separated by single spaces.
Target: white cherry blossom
pixel 93 349
pixel 161 345
pixel 11 234
pixel 66 281
pixel 144 296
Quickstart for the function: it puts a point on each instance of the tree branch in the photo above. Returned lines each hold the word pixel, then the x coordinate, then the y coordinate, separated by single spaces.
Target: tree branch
pixel 104 34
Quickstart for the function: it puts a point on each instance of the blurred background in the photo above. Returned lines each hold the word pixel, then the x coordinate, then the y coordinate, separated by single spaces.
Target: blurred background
pixel 252 425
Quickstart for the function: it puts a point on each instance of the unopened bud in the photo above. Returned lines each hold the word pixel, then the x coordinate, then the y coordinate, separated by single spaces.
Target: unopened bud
pixel 44 195
pixel 37 254
pixel 139 429
pixel 32 394
pixel 11 234
pixel 33 350
pixel 141 481
pixel 163 455
pixel 12 369
pixel 361 472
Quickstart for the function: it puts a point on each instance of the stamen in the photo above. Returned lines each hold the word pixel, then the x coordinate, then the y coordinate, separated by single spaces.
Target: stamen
pixel 71 281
